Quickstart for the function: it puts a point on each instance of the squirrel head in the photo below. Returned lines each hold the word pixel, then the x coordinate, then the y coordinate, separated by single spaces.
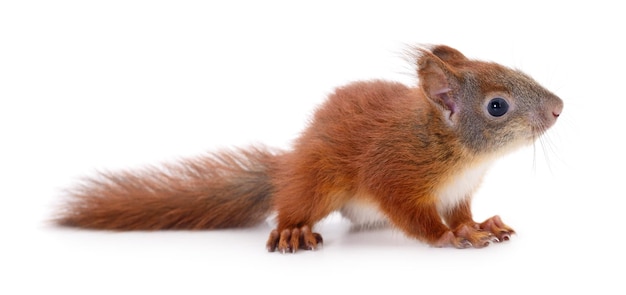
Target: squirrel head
pixel 490 107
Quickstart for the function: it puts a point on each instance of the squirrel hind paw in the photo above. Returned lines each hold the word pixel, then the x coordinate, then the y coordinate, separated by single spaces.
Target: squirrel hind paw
pixel 293 239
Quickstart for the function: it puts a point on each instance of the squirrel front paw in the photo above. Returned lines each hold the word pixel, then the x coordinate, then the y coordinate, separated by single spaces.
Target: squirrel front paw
pixel 290 240
pixel 495 226
pixel 466 237
pixel 476 235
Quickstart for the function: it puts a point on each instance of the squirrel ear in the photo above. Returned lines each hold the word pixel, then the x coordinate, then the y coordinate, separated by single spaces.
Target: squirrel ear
pixel 438 81
pixel 448 54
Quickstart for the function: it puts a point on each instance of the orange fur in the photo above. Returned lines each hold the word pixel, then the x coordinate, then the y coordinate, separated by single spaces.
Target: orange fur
pixel 200 193
pixel 414 153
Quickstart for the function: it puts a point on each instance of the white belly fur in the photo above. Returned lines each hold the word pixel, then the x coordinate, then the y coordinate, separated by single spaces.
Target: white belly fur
pixel 363 215
pixel 460 187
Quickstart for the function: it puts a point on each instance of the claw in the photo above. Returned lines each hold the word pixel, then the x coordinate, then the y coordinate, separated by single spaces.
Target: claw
pixel 465 243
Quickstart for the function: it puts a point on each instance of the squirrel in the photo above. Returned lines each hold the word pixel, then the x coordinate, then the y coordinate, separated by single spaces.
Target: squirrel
pixel 377 151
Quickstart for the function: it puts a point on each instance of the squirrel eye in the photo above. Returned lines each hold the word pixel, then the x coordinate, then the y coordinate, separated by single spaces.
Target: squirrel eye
pixel 497 107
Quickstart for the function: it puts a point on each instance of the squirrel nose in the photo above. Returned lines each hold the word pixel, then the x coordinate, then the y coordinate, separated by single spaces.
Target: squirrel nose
pixel 558 108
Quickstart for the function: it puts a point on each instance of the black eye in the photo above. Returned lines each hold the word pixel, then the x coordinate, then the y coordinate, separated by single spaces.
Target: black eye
pixel 497 107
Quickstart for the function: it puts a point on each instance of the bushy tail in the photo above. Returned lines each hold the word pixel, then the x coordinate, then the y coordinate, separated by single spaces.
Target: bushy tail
pixel 231 189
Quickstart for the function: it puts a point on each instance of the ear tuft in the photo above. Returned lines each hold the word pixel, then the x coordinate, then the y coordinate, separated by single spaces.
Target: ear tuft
pixel 448 54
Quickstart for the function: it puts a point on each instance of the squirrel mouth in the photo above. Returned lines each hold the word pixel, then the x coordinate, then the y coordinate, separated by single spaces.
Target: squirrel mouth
pixel 540 127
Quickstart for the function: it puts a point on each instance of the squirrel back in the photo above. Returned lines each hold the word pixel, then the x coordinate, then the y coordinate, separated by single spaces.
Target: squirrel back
pixel 377 151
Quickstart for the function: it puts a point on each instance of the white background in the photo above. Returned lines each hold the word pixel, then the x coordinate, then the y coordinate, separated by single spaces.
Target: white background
pixel 107 85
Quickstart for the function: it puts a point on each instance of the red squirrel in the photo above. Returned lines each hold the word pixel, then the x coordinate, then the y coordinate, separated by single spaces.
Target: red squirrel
pixel 376 151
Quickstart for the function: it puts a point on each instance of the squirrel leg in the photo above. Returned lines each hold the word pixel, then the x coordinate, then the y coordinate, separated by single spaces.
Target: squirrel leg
pixel 421 220
pixel 296 216
pixel 492 230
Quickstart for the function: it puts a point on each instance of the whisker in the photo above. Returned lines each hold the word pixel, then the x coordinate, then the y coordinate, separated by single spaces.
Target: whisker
pixel 534 166
pixel 536 137
pixel 546 148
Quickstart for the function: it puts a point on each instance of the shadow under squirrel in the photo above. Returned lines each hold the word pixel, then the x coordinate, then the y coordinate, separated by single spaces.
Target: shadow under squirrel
pixel 377 151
